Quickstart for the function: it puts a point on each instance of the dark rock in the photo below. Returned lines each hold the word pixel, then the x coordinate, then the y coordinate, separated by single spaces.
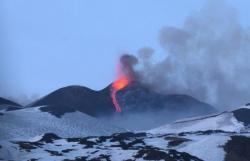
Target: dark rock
pixel 57 110
pixel 237 149
pixel 130 144
pixel 101 157
pixel 83 141
pixel 67 150
pixel 242 115
pixel 102 139
pixel 33 159
pixel 87 143
pixel 171 155
pixel 175 141
pixel 94 152
pixel 49 138
pixel 28 146
pixel 129 135
pixel 54 153
pixel 206 132
pixel 77 159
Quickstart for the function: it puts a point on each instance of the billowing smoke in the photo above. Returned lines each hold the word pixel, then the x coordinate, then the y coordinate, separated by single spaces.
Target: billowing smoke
pixel 208 58
pixel 127 63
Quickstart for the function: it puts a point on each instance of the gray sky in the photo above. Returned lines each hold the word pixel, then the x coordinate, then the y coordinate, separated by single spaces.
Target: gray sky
pixel 48 44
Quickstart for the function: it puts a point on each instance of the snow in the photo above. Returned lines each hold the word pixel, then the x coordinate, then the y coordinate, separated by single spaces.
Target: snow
pixel 206 147
pixel 225 121
pixel 36 138
pixel 156 142
pixel 30 122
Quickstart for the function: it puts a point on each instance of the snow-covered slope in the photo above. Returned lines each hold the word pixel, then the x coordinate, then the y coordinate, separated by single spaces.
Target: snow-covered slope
pixel 220 137
pixel 30 122
pixel 117 147
pixel 213 137
pixel 212 146
pixel 225 121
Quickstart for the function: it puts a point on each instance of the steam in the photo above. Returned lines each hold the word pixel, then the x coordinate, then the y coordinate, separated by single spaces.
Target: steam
pixel 208 58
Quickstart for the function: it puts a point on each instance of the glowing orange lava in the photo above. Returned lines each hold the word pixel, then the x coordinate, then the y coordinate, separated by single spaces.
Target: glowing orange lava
pixel 119 84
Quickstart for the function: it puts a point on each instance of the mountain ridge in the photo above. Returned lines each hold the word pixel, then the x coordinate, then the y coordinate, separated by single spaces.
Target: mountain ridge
pixel 4 101
pixel 134 97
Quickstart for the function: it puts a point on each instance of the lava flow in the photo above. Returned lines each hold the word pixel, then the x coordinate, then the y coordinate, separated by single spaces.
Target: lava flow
pixel 125 76
pixel 119 84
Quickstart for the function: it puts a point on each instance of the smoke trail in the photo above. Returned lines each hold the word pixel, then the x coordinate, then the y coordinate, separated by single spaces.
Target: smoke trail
pixel 208 58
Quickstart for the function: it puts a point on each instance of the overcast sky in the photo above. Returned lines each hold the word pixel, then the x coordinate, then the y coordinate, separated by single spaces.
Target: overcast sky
pixel 48 44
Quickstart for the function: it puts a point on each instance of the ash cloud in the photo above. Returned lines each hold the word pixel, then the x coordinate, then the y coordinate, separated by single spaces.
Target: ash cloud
pixel 208 58
pixel 127 63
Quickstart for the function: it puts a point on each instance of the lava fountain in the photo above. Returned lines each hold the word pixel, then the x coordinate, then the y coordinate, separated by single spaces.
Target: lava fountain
pixel 125 76
pixel 122 81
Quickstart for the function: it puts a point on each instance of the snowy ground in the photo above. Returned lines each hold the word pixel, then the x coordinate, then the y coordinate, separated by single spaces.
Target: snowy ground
pixel 30 122
pixel 224 121
pixel 210 138
pixel 208 146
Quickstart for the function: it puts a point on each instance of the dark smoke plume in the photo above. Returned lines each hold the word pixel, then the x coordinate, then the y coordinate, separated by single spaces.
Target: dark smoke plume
pixel 127 63
pixel 208 58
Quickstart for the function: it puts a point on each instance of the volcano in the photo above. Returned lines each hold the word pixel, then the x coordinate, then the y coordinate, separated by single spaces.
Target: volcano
pixel 138 97
pixel 133 98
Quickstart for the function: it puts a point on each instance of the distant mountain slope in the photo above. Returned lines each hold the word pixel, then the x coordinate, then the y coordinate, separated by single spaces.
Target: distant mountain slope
pixel 4 101
pixel 229 121
pixel 8 105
